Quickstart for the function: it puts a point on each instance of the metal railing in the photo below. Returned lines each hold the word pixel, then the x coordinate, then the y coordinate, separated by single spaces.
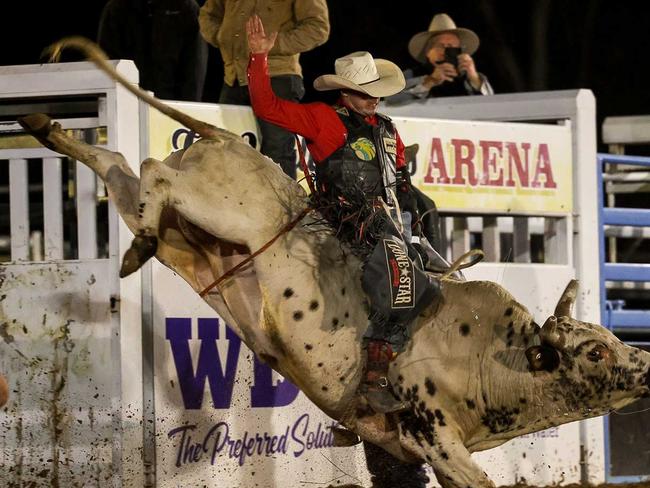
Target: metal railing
pixel 622 222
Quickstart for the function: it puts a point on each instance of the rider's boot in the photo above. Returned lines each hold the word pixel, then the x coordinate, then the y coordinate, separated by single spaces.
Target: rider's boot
pixel 376 387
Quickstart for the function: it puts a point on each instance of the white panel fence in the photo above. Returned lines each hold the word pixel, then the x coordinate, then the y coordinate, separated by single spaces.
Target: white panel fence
pixel 535 252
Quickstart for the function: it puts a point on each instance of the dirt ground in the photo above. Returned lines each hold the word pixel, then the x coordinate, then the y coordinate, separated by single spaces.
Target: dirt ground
pixel 645 484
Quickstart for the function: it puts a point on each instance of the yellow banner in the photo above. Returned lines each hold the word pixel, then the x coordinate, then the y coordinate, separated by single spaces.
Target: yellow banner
pixel 463 166
pixel 489 166
pixel 167 135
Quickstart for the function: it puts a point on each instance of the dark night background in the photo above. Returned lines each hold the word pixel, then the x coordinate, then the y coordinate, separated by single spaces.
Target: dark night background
pixel 526 45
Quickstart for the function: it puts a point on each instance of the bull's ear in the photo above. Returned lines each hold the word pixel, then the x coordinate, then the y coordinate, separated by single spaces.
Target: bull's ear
pixel 566 301
pixel 543 358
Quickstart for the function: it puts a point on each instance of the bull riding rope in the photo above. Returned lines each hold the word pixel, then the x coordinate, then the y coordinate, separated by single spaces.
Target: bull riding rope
pixel 286 228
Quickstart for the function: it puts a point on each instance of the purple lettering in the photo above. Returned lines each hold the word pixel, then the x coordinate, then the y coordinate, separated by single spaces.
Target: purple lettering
pixel 179 332
pixel 221 433
pixel 218 441
pixel 298 432
pixel 265 394
pixel 188 451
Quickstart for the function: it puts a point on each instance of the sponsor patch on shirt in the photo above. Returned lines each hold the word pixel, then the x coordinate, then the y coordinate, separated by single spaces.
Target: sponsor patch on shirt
pixel 390 145
pixel 402 279
pixel 363 149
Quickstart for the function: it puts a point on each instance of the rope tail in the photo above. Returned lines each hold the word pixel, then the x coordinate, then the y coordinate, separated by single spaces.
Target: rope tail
pixel 470 258
pixel 232 271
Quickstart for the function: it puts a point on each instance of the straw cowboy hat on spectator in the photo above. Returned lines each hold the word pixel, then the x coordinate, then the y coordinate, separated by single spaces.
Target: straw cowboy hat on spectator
pixel 360 72
pixel 442 24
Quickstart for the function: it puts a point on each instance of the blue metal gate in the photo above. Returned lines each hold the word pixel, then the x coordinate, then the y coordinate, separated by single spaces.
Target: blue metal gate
pixel 622 432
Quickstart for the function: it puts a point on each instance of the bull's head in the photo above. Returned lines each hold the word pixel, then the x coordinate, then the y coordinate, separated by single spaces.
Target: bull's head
pixel 591 370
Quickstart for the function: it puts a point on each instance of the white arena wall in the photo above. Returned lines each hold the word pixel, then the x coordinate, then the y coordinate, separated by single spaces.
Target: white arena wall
pixel 179 395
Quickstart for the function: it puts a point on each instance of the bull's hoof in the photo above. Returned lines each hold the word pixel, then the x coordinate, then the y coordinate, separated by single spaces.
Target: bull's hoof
pixel 39 126
pixel 344 437
pixel 142 248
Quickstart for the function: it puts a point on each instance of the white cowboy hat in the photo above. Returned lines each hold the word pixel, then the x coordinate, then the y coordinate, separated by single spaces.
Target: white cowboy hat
pixel 361 72
pixel 441 24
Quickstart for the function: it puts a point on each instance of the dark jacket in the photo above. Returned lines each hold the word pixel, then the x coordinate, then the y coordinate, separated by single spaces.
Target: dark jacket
pixel 162 38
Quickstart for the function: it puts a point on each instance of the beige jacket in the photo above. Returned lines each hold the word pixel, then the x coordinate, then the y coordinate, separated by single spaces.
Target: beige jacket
pixel 301 25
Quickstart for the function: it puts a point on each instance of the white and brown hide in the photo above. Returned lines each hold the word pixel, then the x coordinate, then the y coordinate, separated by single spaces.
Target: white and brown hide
pixel 478 371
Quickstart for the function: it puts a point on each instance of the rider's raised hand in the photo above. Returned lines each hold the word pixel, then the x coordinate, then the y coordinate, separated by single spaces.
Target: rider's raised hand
pixel 258 41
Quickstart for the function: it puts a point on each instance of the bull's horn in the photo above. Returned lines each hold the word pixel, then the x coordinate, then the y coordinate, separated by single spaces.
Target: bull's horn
pixel 566 301
pixel 551 334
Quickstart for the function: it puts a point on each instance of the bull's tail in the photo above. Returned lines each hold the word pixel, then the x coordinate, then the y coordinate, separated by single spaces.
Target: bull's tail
pixel 94 53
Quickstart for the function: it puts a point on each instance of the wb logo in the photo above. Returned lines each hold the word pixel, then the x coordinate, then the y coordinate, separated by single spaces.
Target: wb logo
pixel 263 392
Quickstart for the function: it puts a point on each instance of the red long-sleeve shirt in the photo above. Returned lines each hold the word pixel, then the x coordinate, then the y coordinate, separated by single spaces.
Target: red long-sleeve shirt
pixel 317 122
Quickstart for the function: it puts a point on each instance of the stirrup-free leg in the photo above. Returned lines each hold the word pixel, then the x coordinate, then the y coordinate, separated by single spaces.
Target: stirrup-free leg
pixel 376 387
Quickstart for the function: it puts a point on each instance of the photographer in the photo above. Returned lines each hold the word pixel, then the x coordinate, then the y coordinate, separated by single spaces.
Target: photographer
pixel 448 68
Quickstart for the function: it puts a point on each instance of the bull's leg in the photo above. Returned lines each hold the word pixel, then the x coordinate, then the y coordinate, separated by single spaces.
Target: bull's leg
pixel 454 467
pixel 121 182
pixel 155 190
pixel 438 443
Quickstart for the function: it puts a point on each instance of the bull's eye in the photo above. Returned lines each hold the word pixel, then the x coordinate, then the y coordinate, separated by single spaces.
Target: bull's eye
pixel 542 358
pixel 597 353
pixel 594 355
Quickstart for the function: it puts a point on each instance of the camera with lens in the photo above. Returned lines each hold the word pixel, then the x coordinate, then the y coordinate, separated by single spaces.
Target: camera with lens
pixel 451 56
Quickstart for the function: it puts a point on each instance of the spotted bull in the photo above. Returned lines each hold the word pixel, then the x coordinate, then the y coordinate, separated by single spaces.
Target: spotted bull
pixel 478 372
pixel 484 372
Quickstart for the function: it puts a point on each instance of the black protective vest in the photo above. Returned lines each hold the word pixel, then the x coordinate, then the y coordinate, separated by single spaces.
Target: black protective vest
pixel 365 163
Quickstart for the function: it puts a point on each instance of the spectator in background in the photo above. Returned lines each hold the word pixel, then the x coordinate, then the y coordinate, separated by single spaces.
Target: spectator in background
pixel 447 67
pixel 301 25
pixel 162 38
